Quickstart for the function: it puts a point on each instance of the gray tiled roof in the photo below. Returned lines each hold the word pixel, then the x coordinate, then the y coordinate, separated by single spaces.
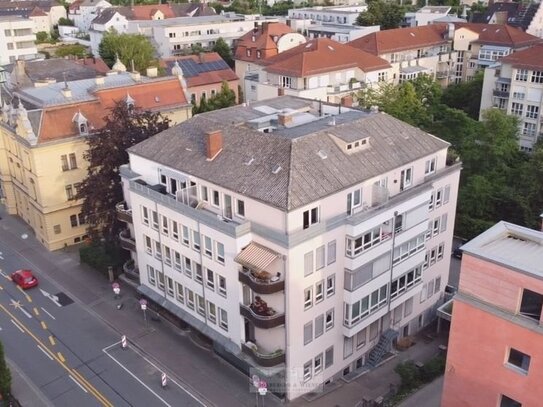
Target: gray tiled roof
pixel 304 176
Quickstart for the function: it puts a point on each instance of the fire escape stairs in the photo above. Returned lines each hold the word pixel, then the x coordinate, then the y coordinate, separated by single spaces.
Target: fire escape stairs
pixel 383 346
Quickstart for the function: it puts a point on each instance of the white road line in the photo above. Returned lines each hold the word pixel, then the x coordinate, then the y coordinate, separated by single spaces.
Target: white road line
pixel 78 384
pixel 17 325
pixel 4 274
pixel 170 380
pixel 25 312
pixel 135 377
pixel 43 350
pixel 47 312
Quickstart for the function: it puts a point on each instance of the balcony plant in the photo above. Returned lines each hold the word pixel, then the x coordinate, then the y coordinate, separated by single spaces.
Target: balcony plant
pixel 260 307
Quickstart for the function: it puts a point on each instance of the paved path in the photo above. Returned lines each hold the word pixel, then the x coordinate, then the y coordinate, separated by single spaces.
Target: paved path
pixel 428 396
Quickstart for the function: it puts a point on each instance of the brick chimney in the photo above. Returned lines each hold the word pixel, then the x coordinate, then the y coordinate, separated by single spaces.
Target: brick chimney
pixel 347 101
pixel 214 144
pixel 284 119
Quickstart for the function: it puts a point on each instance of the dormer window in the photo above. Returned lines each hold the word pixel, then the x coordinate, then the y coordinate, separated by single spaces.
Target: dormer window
pixel 258 54
pixel 83 128
pixel 248 52
pixel 81 123
pixel 253 38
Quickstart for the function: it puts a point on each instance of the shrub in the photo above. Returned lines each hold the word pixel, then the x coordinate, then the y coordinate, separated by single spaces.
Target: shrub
pixel 410 375
pixel 100 256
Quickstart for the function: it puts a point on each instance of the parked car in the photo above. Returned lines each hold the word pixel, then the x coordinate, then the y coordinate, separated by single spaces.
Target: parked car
pixel 457 253
pixel 24 279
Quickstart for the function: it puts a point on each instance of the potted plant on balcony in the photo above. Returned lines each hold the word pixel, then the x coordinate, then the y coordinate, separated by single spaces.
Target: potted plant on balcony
pixel 260 307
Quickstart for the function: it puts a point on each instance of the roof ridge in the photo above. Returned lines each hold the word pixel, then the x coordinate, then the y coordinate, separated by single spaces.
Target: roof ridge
pixel 290 176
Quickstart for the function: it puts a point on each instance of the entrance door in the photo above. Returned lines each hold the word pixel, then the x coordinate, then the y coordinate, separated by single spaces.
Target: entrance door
pixel 247 297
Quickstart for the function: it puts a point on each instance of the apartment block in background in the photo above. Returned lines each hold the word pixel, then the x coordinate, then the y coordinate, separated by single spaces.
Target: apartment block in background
pixel 43 133
pixel 515 85
pixel 495 357
pixel 43 13
pixel 17 39
pixel 301 238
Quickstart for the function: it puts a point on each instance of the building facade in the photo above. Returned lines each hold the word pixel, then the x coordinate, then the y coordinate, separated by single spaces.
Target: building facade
pixel 17 39
pixel 293 234
pixel 335 14
pixel 496 321
pixel 82 12
pixel 515 85
pixel 43 142
pixel 43 13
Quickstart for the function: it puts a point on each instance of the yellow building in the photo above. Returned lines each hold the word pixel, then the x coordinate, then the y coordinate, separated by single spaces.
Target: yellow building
pixel 42 145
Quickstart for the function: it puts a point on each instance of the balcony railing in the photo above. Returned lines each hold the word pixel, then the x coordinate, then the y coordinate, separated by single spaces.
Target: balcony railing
pixel 266 284
pixel 130 270
pixel 274 319
pixel 500 93
pixel 264 359
pixel 127 242
pixel 346 87
pixel 123 214
pixel 442 74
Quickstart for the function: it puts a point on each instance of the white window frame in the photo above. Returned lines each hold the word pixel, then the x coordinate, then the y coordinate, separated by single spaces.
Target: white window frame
pixel 223 319
pixel 165 227
pixel 219 252
pixel 330 285
pixel 211 315
pixel 151 276
pixel 186 235
pixel 208 247
pixel 329 323
pixel 180 292
pixel 308 298
pixel 175 231
pixel 210 282
pixel 170 287
pixel 145 215
pixel 221 284
pixel 318 364
pixel 190 298
pixel 319 291
pixel 430 166
pixel 196 242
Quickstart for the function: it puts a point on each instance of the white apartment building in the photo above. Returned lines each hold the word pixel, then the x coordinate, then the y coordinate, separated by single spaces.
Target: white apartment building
pixel 17 39
pixel 334 14
pixel 515 85
pixel 295 235
pixel 339 32
pixel 82 12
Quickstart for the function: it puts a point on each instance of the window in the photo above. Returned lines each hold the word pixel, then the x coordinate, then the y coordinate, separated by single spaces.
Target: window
pixel 329 357
pixel 331 252
pixel 186 238
pixel 208 246
pixel 406 178
pixel 177 260
pixel 319 326
pixel 532 111
pixel 285 81
pixel 195 240
pixel 160 279
pixel 211 312
pixel 175 231
pixel 188 266
pixel 216 198
pixel 240 208
pixel 440 250
pixel 521 75
pixel 73 161
pixel 73 221
pixel 165 226
pixel 329 319
pixel 200 305
pixel 446 194
pixel 145 215
pixel 430 166
pixel 180 294
pixel 519 359
pixel 509 402
pixel 220 252
pixel 198 272
pixel 222 285
pixel 190 299
pixel 204 195
pixel 210 279
pixel 167 256
pixel 431 203
pixel 317 364
pixel 517 108
pixel 443 227
pixel 310 217
pixel 68 162
pixel 169 286
pixel 354 200
pixel 381 76
pixel 307 371
pixel 319 291
pixel 437 284
pixel 148 245
pixel 320 257
pixel 151 275
pixel 529 129
pixel 330 285
pixel 308 332
pixel 361 338
pixel 158 250
pixel 537 77
pixel 433 253
pixel 439 197
pixel 430 288
pixel 223 319
pixel 531 304
pixel 408 307
pixel 308 298
pixel 347 347
pixel 435 226
pixel 70 194
pixel 308 263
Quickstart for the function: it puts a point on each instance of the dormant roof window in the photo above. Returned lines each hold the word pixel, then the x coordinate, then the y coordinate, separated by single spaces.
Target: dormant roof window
pixel 82 123
pixel 130 102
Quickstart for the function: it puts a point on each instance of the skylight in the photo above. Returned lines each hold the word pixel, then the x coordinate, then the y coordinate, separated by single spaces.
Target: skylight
pixel 276 169
pixel 322 154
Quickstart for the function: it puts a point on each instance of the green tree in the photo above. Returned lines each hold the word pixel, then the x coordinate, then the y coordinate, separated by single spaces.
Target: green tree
pixel 101 190
pixel 5 376
pixel 42 37
pixel 385 14
pixel 129 47
pixel 224 50
pixel 225 98
pixel 465 96
pixel 65 21
pixel 72 49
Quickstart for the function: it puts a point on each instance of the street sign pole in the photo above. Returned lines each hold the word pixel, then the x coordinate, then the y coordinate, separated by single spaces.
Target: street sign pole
pixel 143 305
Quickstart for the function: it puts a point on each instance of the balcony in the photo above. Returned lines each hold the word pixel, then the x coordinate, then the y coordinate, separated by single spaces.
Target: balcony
pixel 346 87
pixel 261 282
pixel 127 241
pixel 500 93
pixel 123 213
pixel 262 316
pixel 442 74
pixel 263 359
pixel 130 270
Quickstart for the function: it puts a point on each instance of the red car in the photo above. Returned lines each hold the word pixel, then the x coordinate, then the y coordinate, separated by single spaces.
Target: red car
pixel 24 279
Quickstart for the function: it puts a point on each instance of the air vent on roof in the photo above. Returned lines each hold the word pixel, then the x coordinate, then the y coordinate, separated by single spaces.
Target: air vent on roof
pixel 331 48
pixel 157 99
pixel 250 161
pixel 322 154
pixel 308 45
pixel 412 34
pixel 276 169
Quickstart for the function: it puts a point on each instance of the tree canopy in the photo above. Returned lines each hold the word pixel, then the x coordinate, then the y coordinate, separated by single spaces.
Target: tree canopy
pixel 385 14
pixel 465 96
pixel 130 48
pixel 101 190
pixel 5 376
pixel 224 98
pixel 224 50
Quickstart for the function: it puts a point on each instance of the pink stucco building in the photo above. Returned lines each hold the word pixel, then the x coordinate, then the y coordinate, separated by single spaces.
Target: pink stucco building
pixel 496 343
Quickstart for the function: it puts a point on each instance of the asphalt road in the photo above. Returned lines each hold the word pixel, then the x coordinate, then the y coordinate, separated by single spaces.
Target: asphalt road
pixel 70 355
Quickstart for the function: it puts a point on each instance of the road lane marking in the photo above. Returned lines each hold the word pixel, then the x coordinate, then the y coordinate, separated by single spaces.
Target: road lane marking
pixel 17 305
pixel 1 288
pixel 76 382
pixel 61 357
pixel 46 354
pixel 52 297
pixel 43 325
pixel 47 312
pixel 28 298
pixel 99 396
pixel 52 340
pixel 17 325
pixel 36 311
pixel 5 275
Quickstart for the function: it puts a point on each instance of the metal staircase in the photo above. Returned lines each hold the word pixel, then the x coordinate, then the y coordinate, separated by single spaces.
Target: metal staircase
pixel 383 346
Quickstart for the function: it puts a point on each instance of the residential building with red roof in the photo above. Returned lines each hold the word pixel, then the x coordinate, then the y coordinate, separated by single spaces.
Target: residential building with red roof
pixel 82 12
pixel 515 85
pixel 262 42
pixel 44 13
pixel 43 133
pixel 319 69
pixel 413 51
pixel 203 73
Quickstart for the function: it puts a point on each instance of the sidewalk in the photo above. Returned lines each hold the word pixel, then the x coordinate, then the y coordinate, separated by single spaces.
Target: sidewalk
pixel 26 393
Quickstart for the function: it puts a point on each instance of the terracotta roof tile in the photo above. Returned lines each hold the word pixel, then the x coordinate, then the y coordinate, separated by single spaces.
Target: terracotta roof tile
pixel 530 58
pixel 401 39
pixel 37 12
pixel 322 55
pixel 263 41
pixel 500 34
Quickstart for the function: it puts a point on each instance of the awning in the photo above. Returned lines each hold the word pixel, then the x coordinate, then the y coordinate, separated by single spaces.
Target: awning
pixel 256 257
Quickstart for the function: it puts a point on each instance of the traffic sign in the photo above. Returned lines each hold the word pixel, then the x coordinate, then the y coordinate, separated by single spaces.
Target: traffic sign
pixel 262 391
pixel 256 380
